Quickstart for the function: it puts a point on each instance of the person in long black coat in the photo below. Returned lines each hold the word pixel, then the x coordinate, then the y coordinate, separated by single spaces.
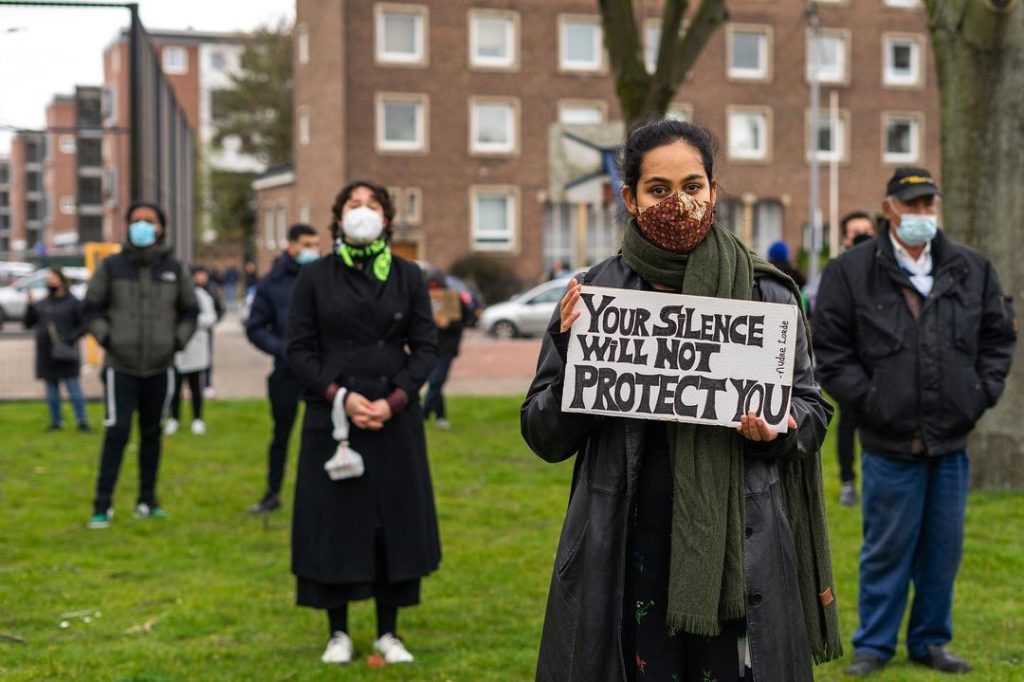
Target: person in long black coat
pixel 59 315
pixel 361 322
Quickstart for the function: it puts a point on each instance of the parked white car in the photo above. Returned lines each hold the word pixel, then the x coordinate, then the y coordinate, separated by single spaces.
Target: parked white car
pixel 14 298
pixel 11 271
pixel 525 314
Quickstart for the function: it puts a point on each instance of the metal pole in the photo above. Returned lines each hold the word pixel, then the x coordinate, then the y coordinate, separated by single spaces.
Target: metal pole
pixel 833 175
pixel 134 107
pixel 814 200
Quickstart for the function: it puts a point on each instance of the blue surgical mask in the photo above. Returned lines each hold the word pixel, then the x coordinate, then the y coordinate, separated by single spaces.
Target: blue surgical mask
pixel 916 229
pixel 142 233
pixel 307 256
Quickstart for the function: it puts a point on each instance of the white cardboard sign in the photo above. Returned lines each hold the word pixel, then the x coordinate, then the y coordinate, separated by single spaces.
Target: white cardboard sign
pixel 651 355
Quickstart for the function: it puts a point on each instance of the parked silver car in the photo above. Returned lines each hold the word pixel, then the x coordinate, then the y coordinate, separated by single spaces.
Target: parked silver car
pixel 14 298
pixel 525 314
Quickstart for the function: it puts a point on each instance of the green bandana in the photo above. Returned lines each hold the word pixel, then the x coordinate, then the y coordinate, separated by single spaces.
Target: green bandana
pixel 707 582
pixel 378 252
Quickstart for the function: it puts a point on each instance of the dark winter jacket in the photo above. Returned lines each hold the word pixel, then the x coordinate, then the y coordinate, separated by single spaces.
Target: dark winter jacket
pixel 65 314
pixel 268 316
pixel 917 386
pixel 369 337
pixel 582 637
pixel 141 307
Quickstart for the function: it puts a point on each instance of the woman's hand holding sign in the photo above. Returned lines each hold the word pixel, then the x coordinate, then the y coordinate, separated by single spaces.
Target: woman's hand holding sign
pixel 568 305
pixel 755 428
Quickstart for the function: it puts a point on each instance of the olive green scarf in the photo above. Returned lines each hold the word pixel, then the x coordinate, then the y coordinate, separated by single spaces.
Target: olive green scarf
pixel 707 584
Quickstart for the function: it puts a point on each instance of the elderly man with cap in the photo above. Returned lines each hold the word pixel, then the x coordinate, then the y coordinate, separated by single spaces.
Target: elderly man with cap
pixel 915 335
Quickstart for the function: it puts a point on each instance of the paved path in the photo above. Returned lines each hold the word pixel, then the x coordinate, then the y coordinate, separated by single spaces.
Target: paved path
pixel 485 366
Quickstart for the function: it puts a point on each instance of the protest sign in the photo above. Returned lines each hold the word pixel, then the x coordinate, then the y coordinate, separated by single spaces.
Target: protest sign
pixel 671 357
pixel 445 305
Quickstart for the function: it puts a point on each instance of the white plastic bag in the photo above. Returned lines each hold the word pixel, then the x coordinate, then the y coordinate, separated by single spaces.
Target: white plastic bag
pixel 346 462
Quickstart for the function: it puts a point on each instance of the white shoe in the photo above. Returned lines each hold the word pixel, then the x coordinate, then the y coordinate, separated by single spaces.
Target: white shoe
pixel 198 427
pixel 209 393
pixel 444 424
pixel 392 649
pixel 339 649
pixel 171 427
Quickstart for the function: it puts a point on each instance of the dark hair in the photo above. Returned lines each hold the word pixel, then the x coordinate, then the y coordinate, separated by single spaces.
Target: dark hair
pixel 147 204
pixel 64 281
pixel 855 215
pixel 659 133
pixel 380 193
pixel 300 230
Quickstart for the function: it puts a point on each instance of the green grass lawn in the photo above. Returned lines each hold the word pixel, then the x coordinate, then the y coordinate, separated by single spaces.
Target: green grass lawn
pixel 207 593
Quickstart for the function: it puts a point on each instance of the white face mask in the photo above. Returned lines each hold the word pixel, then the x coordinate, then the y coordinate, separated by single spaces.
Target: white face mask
pixel 362 226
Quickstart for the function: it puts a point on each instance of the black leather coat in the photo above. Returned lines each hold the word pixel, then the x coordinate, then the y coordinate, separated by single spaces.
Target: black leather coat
pixel 582 637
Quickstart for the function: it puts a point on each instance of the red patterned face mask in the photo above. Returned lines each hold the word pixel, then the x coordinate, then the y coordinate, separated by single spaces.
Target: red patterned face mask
pixel 678 223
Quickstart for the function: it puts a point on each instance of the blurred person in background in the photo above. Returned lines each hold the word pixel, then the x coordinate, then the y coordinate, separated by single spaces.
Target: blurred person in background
pixel 265 327
pixel 361 339
pixel 449 339
pixel 778 255
pixel 207 283
pixel 192 362
pixel 59 324
pixel 141 283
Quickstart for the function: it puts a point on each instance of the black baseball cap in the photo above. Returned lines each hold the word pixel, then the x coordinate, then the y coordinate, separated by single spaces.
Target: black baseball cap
pixel 907 184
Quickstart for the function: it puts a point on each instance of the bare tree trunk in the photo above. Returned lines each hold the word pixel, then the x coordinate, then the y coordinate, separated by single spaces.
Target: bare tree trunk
pixel 643 95
pixel 979 51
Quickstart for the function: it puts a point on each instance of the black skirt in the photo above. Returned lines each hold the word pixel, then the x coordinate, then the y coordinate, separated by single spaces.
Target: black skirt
pixel 651 652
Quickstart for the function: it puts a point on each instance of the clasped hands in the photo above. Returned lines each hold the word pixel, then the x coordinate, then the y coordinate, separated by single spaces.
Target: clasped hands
pixel 751 426
pixel 365 413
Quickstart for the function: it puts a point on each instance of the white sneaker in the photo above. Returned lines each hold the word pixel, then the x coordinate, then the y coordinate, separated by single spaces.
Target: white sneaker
pixel 171 427
pixel 339 649
pixel 392 649
pixel 444 424
pixel 198 427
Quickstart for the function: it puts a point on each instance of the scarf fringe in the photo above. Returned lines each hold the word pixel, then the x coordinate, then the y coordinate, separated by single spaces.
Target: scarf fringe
pixel 826 651
pixel 694 625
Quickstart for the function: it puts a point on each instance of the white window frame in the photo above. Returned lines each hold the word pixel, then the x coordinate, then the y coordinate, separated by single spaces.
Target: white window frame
pixel 899 80
pixel 420 53
pixel 68 205
pixel 508 63
pixel 413 196
pixel 419 146
pixel 281 224
pixel 478 148
pixel 172 66
pixel 302 43
pixel 596 65
pixel 303 124
pixel 843 78
pixel 902 4
pixel 764 72
pixel 841 142
pixel 916 155
pixel 67 144
pixel 598 104
pixel 511 195
pixel 304 211
pixel 761 156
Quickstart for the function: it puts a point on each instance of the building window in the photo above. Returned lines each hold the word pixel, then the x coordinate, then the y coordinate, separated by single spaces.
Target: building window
pixel 68 206
pixel 904 4
pixel 749 130
pixel 217 60
pixel 901 60
pixel 829 140
pixel 67 144
pixel 269 238
pixel 108 104
pixel 304 211
pixel 901 136
pixel 401 34
pixel 652 41
pixel 303 125
pixel 493 126
pixel 581 113
pixel 401 122
pixel 302 43
pixel 749 52
pixel 413 206
pixel 90 152
pixel 679 111
pixel 175 60
pixel 282 226
pixel 493 39
pixel 827 57
pixel 494 217
pixel 581 42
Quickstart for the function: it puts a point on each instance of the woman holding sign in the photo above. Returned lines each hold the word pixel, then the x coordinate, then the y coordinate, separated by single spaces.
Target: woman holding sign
pixel 361 339
pixel 689 551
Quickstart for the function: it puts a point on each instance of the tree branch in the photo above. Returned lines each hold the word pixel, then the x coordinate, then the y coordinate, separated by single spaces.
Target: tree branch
pixel 661 89
pixel 622 41
pixel 710 15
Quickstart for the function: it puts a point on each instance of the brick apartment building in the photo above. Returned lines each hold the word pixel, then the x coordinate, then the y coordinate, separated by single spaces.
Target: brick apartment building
pixel 27 201
pixel 198 66
pixel 462 107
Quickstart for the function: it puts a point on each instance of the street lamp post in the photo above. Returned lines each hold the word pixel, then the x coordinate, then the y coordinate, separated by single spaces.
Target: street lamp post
pixel 814 200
